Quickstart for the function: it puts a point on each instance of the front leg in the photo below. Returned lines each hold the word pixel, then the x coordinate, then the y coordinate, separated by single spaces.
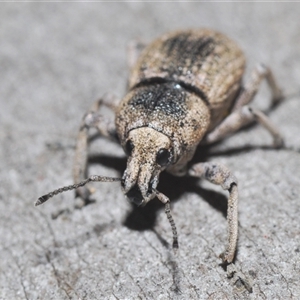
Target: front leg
pixel 106 128
pixel 220 175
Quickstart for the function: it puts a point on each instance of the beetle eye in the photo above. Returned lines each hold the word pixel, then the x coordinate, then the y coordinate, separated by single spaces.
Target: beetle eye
pixel 162 157
pixel 129 147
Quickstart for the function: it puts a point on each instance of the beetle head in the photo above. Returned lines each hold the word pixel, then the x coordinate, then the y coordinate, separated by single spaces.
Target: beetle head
pixel 149 152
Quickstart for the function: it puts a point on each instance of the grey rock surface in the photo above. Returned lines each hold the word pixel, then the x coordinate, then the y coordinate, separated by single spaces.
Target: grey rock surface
pixel 55 60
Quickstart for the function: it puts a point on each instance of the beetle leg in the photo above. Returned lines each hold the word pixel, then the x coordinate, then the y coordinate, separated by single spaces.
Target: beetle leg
pixel 92 119
pixel 220 175
pixel 250 89
pixel 242 115
pixel 238 119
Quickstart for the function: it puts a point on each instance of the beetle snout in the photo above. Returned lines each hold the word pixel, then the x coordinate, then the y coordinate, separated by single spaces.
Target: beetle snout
pixel 135 195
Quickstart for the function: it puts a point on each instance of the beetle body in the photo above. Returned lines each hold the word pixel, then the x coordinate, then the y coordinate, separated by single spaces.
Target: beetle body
pixel 203 61
pixel 182 86
pixel 185 87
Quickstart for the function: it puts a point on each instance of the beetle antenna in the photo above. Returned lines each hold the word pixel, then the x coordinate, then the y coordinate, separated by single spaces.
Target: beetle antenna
pixel 165 200
pixel 46 197
pixel 173 226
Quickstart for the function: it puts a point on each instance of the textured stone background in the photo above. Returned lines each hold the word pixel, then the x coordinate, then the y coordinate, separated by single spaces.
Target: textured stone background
pixel 55 60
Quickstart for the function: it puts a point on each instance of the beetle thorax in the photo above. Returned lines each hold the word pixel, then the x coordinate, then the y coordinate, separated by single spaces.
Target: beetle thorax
pixel 149 152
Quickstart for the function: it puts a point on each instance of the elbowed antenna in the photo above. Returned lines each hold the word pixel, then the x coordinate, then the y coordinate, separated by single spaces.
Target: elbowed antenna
pixel 98 178
pixel 166 201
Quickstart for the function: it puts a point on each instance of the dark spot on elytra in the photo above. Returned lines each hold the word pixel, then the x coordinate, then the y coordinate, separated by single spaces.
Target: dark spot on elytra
pixel 185 45
pixel 186 52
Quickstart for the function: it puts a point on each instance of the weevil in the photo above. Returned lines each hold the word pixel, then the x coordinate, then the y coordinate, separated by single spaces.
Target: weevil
pixel 185 89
